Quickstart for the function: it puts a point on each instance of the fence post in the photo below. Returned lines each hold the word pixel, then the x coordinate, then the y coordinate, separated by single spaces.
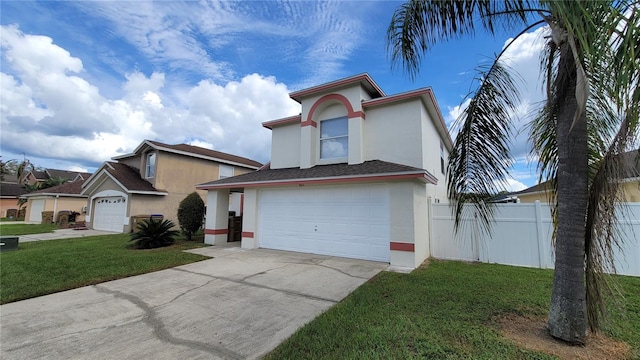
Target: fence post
pixel 542 258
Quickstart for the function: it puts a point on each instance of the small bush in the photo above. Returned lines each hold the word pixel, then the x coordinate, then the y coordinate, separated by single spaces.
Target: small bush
pixel 153 234
pixel 190 214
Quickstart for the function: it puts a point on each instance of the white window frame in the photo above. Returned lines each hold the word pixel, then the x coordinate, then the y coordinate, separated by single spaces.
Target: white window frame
pixel 225 174
pixel 330 160
pixel 150 166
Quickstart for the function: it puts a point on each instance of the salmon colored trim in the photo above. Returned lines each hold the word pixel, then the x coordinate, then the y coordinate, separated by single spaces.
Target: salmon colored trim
pixel 357 114
pixel 428 179
pixel 397 97
pixel 216 231
pixel 298 94
pixel 284 121
pixel 309 123
pixel 329 97
pixel 247 234
pixel 398 246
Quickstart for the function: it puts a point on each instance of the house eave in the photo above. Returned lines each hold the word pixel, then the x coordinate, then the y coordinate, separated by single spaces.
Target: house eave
pixel 421 176
pixel 184 153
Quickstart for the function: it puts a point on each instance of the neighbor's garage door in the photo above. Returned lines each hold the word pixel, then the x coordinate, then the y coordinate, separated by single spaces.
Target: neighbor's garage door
pixel 37 207
pixel 109 213
pixel 347 221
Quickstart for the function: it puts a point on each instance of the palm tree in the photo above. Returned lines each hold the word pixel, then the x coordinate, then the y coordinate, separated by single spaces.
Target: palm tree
pixel 591 67
pixel 153 234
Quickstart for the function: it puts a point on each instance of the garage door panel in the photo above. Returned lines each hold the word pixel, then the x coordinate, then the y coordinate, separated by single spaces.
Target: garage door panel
pixel 349 221
pixel 109 213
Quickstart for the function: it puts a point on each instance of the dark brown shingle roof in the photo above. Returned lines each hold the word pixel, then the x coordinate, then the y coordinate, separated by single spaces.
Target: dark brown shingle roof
pixel 129 177
pixel 372 168
pixel 68 188
pixel 11 190
pixel 210 153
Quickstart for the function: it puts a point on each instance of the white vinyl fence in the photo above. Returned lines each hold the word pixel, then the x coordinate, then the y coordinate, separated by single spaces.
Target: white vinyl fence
pixel 521 236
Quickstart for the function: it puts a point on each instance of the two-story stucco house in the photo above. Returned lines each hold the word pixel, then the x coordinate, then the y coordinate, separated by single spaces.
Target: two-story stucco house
pixel 350 176
pixel 152 180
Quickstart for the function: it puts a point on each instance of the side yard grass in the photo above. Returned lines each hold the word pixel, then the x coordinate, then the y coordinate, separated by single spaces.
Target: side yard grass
pixel 447 310
pixel 25 229
pixel 44 267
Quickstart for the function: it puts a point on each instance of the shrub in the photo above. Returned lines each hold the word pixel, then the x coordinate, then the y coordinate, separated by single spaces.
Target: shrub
pixel 190 214
pixel 153 234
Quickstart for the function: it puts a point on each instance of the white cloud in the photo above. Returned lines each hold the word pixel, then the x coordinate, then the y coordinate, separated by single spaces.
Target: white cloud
pixel 49 112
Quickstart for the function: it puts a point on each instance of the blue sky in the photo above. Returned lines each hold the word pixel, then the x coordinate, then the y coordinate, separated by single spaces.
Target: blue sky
pixel 85 81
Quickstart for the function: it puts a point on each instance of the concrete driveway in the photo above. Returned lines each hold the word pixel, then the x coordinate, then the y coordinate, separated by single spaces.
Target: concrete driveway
pixel 240 304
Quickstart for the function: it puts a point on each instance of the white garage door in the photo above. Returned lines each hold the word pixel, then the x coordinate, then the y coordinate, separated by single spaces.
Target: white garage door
pixel 109 213
pixel 37 207
pixel 347 221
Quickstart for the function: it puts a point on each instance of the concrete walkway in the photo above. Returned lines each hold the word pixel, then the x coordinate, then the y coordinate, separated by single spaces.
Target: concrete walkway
pixel 63 234
pixel 239 305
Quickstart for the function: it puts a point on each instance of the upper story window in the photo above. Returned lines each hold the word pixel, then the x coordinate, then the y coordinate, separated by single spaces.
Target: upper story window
pixel 334 138
pixel 225 171
pixel 150 168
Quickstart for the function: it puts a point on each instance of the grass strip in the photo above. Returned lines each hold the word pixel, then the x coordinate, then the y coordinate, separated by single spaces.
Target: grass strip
pixel 447 310
pixel 44 267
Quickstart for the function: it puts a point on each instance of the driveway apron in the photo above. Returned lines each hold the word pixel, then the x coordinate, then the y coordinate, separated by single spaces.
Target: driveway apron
pixel 239 305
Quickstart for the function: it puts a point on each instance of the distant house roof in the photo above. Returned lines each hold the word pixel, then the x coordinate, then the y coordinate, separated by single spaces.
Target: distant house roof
pixel 126 176
pixel 69 175
pixel 40 175
pixel 630 159
pixel 72 189
pixel 194 151
pixel 11 190
pixel 335 173
pixel 9 178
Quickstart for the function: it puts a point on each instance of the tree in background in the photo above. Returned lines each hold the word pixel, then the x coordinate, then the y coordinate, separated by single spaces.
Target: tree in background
pixel 18 168
pixel 591 69
pixel 191 214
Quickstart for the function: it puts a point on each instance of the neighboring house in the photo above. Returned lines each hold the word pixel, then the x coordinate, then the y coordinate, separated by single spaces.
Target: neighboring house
pixel 630 183
pixel 10 192
pixel 40 177
pixel 66 196
pixel 152 181
pixel 351 176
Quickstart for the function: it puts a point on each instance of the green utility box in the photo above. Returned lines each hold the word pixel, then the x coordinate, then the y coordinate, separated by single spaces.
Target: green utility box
pixel 8 243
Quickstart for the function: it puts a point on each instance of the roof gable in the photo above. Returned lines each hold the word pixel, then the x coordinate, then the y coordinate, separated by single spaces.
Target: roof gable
pixel 193 151
pixel 125 176
pixel 363 80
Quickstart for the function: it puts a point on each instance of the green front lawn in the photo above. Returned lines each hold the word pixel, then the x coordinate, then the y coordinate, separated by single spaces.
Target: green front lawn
pixel 26 229
pixel 448 310
pixel 45 267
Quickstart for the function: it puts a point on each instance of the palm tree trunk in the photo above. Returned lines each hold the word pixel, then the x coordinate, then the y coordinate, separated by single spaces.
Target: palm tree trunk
pixel 567 314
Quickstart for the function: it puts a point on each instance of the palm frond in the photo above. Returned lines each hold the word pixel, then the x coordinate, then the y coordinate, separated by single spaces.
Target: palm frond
pixel 478 165
pixel 418 25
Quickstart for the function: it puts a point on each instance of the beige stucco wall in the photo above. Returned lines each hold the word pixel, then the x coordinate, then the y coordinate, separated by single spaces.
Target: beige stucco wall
pixel 631 191
pixel 285 146
pixel 393 133
pixel 6 204
pixel 533 197
pixel 59 204
pixel 179 174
